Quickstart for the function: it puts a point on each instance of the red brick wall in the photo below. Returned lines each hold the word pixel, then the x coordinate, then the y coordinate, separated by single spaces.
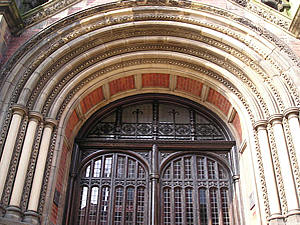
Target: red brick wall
pixel 121 84
pixel 60 180
pixel 189 85
pixel 237 124
pixel 91 100
pixel 155 80
pixel 219 100
pixel 71 124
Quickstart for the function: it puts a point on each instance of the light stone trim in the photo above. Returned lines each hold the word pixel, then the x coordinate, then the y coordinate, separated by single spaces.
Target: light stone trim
pixel 24 160
pixel 274 202
pixel 40 165
pixel 284 164
pixel 18 112
pixel 138 81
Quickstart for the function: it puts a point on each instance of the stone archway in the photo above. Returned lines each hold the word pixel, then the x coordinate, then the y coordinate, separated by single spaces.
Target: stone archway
pixel 70 70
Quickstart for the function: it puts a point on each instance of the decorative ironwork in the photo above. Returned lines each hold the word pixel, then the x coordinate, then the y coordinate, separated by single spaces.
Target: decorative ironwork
pixel 158 127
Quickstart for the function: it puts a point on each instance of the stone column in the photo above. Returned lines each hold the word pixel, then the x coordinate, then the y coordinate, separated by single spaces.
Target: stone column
pixel 18 112
pixel 13 211
pixel 285 166
pixel 274 202
pixel 292 114
pixel 31 214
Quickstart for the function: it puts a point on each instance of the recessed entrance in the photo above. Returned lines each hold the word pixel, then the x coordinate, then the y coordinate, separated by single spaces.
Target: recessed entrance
pixel 152 160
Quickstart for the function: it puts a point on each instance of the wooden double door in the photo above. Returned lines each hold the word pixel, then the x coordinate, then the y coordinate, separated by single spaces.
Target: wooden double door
pixel 154 187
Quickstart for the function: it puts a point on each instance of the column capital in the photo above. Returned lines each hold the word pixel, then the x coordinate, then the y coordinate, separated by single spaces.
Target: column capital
pixel 291 112
pixel 260 124
pixel 51 122
pixel 33 115
pixel 19 109
pixel 275 119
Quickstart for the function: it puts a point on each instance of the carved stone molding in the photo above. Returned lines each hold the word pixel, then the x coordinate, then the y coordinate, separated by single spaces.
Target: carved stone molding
pixel 194 52
pixel 269 15
pixel 262 176
pixel 46 10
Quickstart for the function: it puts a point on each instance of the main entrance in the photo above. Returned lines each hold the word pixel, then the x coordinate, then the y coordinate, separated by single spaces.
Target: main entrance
pixel 152 160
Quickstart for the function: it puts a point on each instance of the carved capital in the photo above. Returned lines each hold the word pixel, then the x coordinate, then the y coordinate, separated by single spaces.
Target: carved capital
pixel 260 124
pixel 275 119
pixel 19 109
pixel 35 116
pixel 51 122
pixel 291 112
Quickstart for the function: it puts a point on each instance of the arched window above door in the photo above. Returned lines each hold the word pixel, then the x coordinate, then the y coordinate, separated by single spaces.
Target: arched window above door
pixel 156 120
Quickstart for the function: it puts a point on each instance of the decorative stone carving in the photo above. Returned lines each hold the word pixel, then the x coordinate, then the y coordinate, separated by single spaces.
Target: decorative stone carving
pixel 262 176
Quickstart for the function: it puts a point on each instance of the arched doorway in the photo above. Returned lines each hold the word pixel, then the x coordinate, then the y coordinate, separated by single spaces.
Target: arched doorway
pixel 152 159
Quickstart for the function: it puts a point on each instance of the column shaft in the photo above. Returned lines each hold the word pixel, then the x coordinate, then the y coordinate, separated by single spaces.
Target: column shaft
pixel 39 170
pixel 9 147
pixel 24 162
pixel 274 201
pixel 285 166
pixel 295 132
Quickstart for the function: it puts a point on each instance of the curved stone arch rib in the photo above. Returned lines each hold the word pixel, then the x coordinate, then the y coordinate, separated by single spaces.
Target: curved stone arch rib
pixel 79 33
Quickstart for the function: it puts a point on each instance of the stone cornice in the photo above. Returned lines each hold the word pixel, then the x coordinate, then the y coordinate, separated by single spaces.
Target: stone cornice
pixel 12 16
pixel 46 10
pixel 265 12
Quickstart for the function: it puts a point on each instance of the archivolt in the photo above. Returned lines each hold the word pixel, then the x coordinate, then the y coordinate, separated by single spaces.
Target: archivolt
pixel 56 69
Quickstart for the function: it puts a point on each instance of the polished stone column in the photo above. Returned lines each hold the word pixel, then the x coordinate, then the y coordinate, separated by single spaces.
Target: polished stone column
pixel 13 211
pixel 18 112
pixel 285 165
pixel 274 202
pixel 31 214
